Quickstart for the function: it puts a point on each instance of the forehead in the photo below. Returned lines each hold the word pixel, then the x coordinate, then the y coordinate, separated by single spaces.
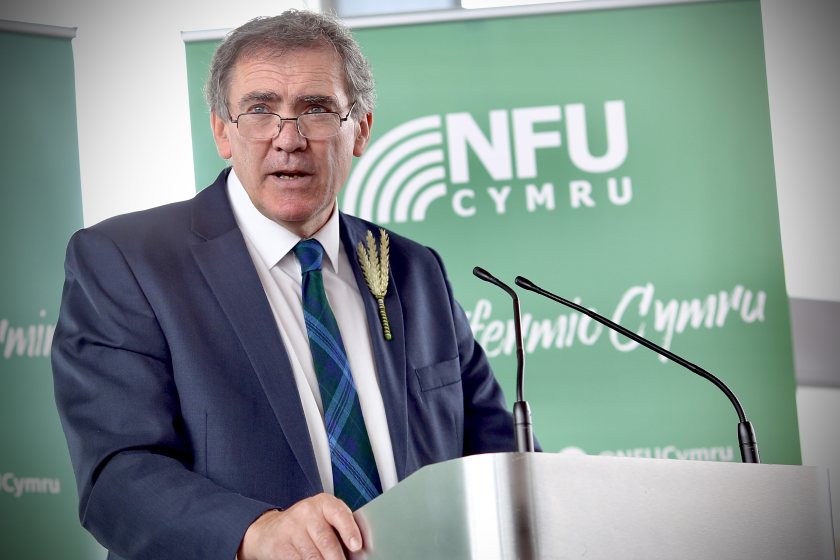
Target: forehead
pixel 288 75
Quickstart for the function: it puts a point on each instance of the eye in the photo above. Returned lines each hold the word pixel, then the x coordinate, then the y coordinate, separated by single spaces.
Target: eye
pixel 316 109
pixel 259 109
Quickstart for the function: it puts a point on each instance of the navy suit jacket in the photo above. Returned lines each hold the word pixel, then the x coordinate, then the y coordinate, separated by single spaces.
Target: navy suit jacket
pixel 177 398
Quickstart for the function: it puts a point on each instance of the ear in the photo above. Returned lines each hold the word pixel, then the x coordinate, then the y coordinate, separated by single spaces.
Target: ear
pixel 220 135
pixel 363 134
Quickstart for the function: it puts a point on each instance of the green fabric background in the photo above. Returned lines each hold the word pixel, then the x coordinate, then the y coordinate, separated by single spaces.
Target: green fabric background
pixel 42 207
pixel 703 218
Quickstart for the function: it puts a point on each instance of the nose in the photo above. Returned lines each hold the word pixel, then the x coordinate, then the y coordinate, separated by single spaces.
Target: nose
pixel 288 138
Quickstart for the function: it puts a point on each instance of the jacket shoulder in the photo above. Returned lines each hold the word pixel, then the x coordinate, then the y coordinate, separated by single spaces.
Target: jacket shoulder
pixel 356 230
pixel 202 215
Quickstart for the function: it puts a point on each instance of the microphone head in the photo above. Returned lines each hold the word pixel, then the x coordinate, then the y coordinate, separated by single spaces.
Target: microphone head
pixel 487 277
pixel 484 275
pixel 523 282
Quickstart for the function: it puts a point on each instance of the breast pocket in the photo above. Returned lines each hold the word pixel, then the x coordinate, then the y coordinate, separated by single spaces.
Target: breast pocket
pixel 439 375
pixel 438 412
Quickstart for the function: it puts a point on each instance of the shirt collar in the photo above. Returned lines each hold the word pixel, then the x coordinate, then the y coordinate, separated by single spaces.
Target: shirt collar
pixel 271 240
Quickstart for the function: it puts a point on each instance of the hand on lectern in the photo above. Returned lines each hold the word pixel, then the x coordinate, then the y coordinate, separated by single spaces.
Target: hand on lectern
pixel 309 529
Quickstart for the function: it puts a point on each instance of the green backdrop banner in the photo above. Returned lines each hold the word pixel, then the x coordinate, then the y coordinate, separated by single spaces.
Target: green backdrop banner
pixel 620 158
pixel 41 208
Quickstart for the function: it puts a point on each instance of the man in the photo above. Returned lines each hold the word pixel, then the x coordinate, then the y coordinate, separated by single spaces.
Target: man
pixel 188 369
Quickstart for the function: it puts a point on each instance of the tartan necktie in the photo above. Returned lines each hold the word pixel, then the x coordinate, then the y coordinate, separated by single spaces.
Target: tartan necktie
pixel 355 478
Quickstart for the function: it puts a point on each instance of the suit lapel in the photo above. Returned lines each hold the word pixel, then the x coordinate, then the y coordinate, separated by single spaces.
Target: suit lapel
pixel 227 266
pixel 389 355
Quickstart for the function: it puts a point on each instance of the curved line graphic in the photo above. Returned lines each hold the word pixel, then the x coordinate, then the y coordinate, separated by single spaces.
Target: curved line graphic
pixel 390 161
pixel 413 187
pixel 395 135
pixel 425 199
pixel 403 172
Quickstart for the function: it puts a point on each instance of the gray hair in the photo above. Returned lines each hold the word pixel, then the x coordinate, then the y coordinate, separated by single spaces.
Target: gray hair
pixel 291 30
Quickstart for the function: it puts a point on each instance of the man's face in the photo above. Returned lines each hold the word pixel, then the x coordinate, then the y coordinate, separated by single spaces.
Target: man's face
pixel 290 179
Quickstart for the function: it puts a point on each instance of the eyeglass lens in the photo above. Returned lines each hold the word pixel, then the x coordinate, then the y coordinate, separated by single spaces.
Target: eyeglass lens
pixel 315 126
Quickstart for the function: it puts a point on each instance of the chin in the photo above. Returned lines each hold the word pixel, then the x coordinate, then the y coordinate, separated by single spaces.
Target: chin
pixel 299 218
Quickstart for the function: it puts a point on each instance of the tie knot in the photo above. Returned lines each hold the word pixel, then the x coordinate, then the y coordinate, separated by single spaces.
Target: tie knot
pixel 309 253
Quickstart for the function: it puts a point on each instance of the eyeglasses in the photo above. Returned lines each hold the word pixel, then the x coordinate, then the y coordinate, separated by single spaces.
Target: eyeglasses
pixel 314 126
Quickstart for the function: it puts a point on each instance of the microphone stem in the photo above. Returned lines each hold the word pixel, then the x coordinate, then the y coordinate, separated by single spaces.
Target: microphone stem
pixel 746 435
pixel 522 427
pixel 648 344
pixel 520 354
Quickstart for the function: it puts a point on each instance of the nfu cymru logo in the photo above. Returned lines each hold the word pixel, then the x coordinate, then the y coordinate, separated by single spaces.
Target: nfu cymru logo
pixel 416 164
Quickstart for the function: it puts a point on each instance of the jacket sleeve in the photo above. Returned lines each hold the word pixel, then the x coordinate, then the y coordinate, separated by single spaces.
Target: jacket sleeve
pixel 119 407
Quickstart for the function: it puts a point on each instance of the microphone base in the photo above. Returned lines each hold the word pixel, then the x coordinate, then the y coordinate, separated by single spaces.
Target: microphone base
pixel 523 432
pixel 748 443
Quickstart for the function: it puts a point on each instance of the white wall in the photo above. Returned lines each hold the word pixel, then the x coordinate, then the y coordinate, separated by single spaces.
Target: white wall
pixel 802 44
pixel 131 91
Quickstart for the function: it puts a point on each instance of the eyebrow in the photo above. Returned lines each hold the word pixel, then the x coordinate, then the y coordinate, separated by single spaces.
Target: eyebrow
pixel 252 96
pixel 319 99
pixel 271 97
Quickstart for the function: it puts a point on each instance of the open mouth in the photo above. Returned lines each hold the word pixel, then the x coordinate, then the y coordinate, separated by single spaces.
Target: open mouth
pixel 289 175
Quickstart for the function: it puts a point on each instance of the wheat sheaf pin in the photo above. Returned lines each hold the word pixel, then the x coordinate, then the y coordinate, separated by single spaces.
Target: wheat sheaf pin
pixel 374 263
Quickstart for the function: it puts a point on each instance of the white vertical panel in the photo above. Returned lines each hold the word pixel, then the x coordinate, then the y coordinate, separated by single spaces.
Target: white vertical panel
pixel 802 47
pixel 819 433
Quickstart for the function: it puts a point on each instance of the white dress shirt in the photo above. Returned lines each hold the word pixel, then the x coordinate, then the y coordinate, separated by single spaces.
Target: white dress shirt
pixel 270 246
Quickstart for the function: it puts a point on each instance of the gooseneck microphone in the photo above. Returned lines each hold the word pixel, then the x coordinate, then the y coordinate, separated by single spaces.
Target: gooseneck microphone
pixel 746 434
pixel 523 432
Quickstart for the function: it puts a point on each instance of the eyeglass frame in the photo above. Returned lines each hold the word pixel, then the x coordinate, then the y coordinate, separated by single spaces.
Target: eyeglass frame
pixel 341 121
